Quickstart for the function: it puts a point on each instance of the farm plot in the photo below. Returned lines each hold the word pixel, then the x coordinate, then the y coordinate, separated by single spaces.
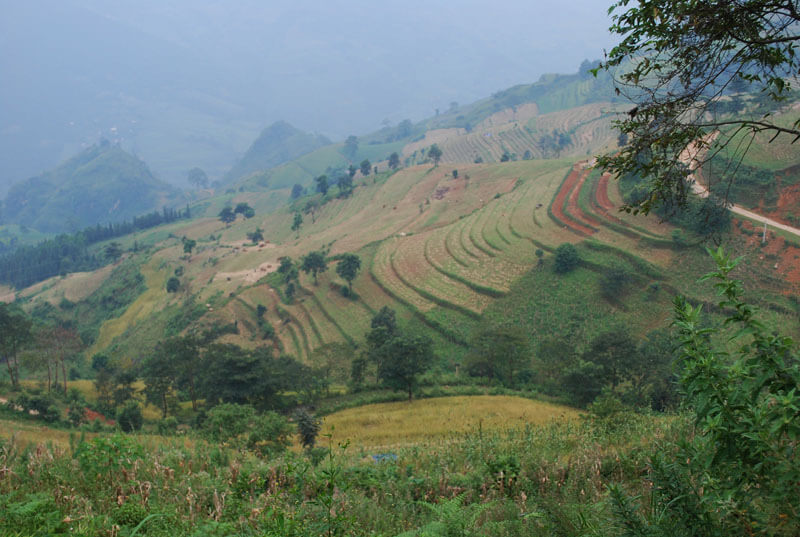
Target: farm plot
pixel 323 328
pixel 601 206
pixel 411 266
pixel 352 317
pixel 486 275
pixel 440 257
pixel 528 219
pixel 556 210
pixel 572 208
pixel 266 296
pixel 385 276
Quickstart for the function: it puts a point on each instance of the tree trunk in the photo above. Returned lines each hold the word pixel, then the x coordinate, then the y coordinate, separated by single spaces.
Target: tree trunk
pixel 192 394
pixel 164 403
pixel 14 379
pixel 64 374
pixel 49 376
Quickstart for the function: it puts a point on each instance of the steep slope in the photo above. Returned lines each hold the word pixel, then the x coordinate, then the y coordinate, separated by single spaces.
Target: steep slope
pixel 101 184
pixel 277 144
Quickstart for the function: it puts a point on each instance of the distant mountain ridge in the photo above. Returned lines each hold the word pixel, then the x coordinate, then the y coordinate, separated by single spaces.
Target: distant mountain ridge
pixel 101 184
pixel 277 144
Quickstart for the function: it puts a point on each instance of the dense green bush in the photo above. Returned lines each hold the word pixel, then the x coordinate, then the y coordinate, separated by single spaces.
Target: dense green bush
pixel 129 417
pixel 566 258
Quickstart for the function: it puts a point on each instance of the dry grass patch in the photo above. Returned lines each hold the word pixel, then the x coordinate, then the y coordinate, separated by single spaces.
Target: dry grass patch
pixel 387 424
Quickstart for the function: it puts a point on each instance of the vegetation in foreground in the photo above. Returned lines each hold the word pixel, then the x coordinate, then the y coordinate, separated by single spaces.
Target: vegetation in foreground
pixel 728 466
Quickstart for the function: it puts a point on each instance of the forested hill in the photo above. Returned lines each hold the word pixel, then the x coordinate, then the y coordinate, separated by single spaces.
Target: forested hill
pixel 99 185
pixel 277 144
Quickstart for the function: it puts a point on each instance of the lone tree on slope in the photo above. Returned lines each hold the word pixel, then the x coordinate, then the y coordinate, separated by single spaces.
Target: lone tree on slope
pixel 314 263
pixel 435 154
pixel 348 268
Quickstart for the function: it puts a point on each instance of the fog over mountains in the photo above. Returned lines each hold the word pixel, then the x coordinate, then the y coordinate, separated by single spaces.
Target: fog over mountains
pixel 192 83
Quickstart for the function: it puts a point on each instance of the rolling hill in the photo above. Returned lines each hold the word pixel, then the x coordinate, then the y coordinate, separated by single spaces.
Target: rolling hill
pixel 277 144
pixel 453 248
pixel 101 184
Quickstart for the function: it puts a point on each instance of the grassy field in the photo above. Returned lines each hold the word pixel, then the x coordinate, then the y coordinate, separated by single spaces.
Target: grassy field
pixel 433 420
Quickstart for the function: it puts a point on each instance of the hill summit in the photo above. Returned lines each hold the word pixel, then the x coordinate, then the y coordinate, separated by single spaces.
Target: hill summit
pixel 101 184
pixel 277 144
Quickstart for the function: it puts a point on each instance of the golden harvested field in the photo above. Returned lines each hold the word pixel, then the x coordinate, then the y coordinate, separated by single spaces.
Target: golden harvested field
pixel 429 420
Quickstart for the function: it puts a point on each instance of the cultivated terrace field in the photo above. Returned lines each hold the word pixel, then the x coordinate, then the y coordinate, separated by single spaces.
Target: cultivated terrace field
pixel 479 343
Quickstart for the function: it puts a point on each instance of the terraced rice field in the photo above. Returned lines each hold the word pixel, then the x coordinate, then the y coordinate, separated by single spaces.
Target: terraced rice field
pixel 435 248
pixel 520 131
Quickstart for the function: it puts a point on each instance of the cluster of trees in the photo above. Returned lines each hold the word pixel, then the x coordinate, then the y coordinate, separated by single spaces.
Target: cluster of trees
pixel 396 357
pixel 188 367
pixel 701 216
pixel 69 252
pixel 552 143
pixel 348 265
pixel 228 214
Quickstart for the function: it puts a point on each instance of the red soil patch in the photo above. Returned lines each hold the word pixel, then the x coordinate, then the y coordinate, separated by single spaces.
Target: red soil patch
pixel 788 263
pixel 558 204
pixel 572 203
pixel 788 204
pixel 600 202
pixel 602 193
pixel 91 415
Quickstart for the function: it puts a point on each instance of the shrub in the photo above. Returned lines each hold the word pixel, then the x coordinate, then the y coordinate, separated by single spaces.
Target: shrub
pixel 613 281
pixel 567 258
pixel 308 427
pixel 173 284
pixel 129 417
pixel 738 474
pixel 240 426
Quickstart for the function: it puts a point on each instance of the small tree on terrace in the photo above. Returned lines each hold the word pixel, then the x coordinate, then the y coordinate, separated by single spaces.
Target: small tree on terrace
pixel 351 146
pixel 113 251
pixel 245 210
pixel 308 427
pixel 345 185
pixel 188 245
pixel 501 352
pixel 365 167
pixel 15 331
pixel 314 263
pixel 297 191
pixel 435 154
pixel 394 161
pixel 256 235
pixel 347 268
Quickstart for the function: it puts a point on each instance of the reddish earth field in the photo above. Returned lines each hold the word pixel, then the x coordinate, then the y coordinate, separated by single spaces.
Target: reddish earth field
pixel 558 204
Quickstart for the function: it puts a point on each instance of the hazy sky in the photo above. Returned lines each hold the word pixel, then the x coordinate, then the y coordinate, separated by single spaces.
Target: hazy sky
pixel 191 82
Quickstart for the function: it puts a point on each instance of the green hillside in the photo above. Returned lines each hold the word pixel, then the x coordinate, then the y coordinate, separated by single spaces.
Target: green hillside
pixel 101 184
pixel 277 144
